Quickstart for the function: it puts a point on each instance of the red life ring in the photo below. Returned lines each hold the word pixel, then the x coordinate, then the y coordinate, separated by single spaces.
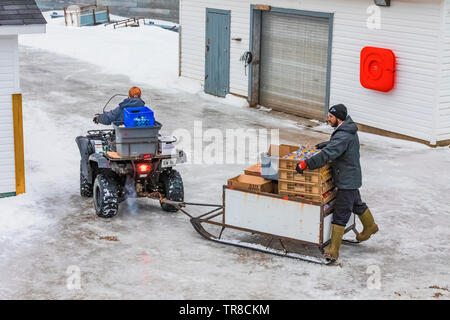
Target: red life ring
pixel 377 69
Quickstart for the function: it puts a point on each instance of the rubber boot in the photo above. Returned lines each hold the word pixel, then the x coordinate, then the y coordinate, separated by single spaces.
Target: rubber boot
pixel 369 226
pixel 331 251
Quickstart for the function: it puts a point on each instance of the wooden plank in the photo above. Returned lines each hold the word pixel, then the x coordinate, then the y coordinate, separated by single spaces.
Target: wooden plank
pixel 113 155
pixel 18 143
pixel 263 7
pixel 101 17
pixel 308 176
pixel 126 21
pixel 298 188
pixel 323 199
pixel 87 19
pixel 88 7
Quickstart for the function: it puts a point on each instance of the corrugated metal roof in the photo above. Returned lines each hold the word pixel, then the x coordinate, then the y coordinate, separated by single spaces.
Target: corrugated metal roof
pixel 20 12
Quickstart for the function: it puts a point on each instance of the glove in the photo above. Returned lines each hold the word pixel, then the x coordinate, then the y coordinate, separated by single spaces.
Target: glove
pixel 301 166
pixel 95 119
pixel 321 145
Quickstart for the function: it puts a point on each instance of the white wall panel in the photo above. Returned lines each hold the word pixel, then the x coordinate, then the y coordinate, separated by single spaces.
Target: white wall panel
pixel 9 83
pixel 443 127
pixel 409 27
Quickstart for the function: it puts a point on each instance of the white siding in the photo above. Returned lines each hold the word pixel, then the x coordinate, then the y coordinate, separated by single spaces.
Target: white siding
pixel 9 82
pixel 443 127
pixel 409 27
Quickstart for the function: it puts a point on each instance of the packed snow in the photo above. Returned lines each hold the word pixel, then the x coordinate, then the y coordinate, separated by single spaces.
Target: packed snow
pixel 147 54
pixel 51 234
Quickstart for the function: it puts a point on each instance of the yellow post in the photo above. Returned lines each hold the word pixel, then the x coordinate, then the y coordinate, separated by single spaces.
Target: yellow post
pixel 18 143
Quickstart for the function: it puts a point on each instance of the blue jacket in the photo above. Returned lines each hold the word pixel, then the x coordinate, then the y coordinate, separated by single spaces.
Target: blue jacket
pixel 343 152
pixel 116 114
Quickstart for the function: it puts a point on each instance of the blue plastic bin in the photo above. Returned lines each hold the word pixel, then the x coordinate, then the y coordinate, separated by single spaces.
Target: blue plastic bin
pixel 138 117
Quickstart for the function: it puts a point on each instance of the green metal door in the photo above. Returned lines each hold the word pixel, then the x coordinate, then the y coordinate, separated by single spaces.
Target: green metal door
pixel 217 52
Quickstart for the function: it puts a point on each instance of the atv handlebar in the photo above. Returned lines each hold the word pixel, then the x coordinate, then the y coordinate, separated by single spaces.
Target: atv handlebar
pixel 116 95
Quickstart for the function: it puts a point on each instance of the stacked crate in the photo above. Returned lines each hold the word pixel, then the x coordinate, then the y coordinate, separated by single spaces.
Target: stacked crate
pixel 315 186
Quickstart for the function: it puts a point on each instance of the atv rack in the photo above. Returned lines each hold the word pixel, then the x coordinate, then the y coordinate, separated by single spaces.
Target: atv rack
pixel 215 217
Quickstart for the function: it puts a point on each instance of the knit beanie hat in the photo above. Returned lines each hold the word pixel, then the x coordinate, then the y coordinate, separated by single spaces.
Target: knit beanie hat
pixel 339 111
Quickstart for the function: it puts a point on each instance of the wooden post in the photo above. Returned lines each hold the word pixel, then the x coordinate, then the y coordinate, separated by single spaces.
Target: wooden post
pixel 18 143
pixel 65 15
pixel 93 14
pixel 256 51
pixel 107 13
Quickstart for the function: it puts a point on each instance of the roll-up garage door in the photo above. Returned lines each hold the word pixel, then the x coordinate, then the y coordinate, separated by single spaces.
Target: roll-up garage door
pixel 294 61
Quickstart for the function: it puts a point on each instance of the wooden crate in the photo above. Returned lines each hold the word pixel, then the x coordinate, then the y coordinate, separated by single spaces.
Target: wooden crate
pixel 290 164
pixel 298 188
pixel 282 150
pixel 322 199
pixel 308 176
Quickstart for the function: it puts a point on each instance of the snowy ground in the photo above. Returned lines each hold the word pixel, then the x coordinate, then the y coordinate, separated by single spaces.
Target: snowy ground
pixel 159 255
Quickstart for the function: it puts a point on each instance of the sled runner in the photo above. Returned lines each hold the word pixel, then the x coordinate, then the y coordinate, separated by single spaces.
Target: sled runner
pixel 268 223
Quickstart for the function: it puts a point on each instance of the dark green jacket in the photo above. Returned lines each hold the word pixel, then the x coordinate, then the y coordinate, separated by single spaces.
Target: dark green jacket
pixel 343 152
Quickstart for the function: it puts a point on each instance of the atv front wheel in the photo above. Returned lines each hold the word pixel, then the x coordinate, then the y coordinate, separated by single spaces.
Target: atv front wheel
pixel 106 196
pixel 173 187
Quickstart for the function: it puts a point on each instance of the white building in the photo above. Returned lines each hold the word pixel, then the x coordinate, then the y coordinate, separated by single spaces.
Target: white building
pixel 16 17
pixel 306 56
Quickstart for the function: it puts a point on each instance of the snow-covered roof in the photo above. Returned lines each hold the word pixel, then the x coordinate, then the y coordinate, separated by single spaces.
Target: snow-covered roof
pixel 20 12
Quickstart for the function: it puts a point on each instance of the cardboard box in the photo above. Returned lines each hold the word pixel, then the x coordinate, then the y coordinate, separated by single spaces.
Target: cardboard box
pixel 254 170
pixel 251 183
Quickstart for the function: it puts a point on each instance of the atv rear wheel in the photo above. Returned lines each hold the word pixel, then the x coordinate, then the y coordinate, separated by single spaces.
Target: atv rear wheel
pixel 86 188
pixel 106 196
pixel 173 188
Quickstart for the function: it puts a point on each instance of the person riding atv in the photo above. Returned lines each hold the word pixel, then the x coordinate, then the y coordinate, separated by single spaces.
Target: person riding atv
pixel 128 161
pixel 133 101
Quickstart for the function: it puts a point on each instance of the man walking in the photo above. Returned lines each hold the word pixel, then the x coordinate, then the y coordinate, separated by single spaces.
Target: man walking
pixel 343 152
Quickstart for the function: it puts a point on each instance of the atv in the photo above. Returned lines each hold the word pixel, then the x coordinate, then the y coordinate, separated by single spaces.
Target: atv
pixel 111 178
